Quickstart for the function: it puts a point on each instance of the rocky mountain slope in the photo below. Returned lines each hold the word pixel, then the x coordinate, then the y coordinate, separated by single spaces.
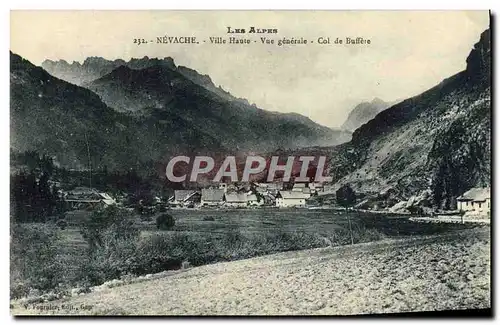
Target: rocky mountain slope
pixel 53 116
pixel 438 142
pixel 364 112
pixel 141 86
pixel 97 74
pixel 94 68
pixel 161 88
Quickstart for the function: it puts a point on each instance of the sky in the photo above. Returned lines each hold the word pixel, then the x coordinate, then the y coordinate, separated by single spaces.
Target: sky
pixel 409 51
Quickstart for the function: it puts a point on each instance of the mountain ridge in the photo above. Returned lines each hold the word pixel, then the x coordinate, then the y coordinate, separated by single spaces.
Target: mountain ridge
pixel 188 120
pixel 163 88
pixel 66 118
pixel 125 101
pixel 95 67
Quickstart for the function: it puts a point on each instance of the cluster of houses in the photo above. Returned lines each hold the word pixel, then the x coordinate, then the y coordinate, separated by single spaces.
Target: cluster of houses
pixel 475 202
pixel 248 195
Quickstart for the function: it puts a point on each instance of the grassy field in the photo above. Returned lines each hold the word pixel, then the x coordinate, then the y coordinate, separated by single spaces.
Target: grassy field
pixel 211 235
pixel 264 220
pixel 323 222
pixel 255 221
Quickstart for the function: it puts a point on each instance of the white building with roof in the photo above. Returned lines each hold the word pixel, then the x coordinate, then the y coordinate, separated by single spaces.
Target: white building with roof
pixel 298 187
pixel 268 187
pixel 186 197
pixel 286 199
pixel 316 187
pixel 212 196
pixel 236 200
pixel 85 197
pixel 476 200
pixel 301 187
pixel 253 200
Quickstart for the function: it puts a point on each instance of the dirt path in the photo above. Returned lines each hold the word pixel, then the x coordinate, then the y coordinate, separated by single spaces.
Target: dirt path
pixel 425 273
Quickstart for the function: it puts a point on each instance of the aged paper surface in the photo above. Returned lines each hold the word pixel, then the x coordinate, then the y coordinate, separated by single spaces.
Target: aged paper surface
pixel 250 162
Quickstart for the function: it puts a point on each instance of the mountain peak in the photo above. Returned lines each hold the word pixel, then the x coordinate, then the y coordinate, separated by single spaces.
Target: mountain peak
pixel 378 101
pixel 145 62
pixel 94 60
pixel 363 112
pixel 479 59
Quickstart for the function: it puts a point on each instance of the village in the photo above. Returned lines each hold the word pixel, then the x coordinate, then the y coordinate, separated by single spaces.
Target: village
pixel 221 195
pixel 472 204
pixel 249 195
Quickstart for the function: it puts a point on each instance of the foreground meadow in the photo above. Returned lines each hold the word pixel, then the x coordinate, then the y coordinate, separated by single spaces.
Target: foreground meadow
pixel 50 263
pixel 448 271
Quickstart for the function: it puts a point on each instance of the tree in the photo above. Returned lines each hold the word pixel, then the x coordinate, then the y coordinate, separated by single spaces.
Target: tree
pixel 165 222
pixel 346 197
pixel 21 196
pixel 32 197
pixel 44 199
pixel 62 224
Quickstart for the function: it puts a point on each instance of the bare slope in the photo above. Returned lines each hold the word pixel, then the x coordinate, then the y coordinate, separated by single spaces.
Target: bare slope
pixel 450 271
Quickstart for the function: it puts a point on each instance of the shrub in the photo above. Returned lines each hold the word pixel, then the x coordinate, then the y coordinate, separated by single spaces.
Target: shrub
pixel 369 235
pixel 360 234
pixel 166 251
pixel 165 222
pixel 288 241
pixel 62 224
pixel 34 262
pixel 415 210
pixel 102 219
pixel 346 197
pixel 235 246
pixel 112 239
pixel 114 257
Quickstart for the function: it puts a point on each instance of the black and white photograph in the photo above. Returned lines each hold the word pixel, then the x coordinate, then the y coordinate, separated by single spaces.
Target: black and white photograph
pixel 250 163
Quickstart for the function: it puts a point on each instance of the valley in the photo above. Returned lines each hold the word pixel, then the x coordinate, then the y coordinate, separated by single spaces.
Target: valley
pixel 139 186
